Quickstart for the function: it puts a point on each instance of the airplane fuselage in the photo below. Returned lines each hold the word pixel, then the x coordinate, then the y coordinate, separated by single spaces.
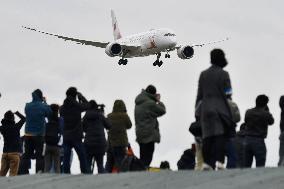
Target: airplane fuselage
pixel 150 42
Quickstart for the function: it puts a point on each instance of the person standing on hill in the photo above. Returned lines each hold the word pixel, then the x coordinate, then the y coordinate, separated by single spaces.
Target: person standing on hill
pixel 94 125
pixel 117 134
pixel 36 113
pixel 53 134
pixel 148 108
pixel 71 111
pixel 12 143
pixel 213 87
pixel 281 137
pixel 257 121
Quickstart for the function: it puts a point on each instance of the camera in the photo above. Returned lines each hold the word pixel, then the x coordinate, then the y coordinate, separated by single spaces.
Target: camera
pixel 101 108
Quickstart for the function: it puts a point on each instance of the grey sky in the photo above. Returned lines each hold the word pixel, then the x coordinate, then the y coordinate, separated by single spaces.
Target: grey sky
pixel 30 60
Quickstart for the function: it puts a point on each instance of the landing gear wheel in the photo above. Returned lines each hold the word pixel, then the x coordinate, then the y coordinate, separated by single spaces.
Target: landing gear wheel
pixel 156 63
pixel 125 61
pixel 167 56
pixel 122 61
pixel 160 63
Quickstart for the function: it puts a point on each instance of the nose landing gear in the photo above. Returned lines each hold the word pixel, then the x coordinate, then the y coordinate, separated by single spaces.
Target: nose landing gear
pixel 167 55
pixel 122 61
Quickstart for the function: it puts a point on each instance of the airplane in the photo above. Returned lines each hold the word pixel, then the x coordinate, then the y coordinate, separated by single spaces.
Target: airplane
pixel 152 42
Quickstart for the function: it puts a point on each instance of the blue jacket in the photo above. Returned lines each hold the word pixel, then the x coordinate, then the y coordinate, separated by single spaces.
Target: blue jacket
pixel 36 112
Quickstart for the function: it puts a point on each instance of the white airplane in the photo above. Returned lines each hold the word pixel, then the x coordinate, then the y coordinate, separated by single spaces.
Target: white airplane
pixel 152 42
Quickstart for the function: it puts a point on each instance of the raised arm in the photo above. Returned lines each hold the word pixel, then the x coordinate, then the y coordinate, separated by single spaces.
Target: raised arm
pixel 22 119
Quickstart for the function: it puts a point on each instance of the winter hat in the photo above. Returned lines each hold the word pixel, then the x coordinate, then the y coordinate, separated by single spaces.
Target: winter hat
pixel 218 58
pixel 72 91
pixel 38 93
pixel 93 104
pixel 261 100
pixel 9 115
pixel 151 89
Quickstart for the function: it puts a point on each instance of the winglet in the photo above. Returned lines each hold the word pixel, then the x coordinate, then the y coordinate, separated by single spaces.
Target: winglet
pixel 116 32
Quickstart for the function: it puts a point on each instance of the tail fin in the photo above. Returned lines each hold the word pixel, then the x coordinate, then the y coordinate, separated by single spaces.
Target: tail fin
pixel 116 32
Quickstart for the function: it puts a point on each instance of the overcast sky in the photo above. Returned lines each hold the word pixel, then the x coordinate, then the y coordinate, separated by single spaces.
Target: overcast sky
pixel 30 60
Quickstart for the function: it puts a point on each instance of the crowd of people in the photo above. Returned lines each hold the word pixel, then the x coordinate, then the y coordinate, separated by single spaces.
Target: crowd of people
pixel 53 131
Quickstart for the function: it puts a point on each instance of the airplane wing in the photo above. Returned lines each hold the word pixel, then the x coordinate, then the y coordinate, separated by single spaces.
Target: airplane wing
pixel 78 41
pixel 207 43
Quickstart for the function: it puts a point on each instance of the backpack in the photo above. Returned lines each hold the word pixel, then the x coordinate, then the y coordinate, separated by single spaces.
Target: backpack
pixel 52 132
pixel 131 162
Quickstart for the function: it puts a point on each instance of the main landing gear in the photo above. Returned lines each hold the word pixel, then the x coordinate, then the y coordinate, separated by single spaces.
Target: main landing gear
pixel 122 61
pixel 158 62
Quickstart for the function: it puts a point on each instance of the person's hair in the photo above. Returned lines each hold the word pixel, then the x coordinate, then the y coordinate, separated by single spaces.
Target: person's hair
pixel 119 106
pixel 261 101
pixel 9 115
pixel 38 92
pixel 71 91
pixel 93 104
pixel 218 58
pixel 151 89
pixel 55 109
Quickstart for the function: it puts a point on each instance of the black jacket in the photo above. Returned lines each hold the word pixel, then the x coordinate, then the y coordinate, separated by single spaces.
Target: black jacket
pixel 71 113
pixel 94 125
pixel 187 160
pixel 257 121
pixel 11 133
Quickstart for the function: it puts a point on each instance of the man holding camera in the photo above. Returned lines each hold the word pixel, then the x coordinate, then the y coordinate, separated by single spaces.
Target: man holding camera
pixel 71 111
pixel 148 108
pixel 257 121
pixel 36 112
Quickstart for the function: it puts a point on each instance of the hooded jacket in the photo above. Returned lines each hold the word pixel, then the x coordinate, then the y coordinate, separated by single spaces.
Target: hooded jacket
pixel 120 122
pixel 71 111
pixel 147 110
pixel 36 112
pixel 94 125
pixel 11 133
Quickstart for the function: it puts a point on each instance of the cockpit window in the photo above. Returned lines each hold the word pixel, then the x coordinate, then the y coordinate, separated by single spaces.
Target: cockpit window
pixel 169 34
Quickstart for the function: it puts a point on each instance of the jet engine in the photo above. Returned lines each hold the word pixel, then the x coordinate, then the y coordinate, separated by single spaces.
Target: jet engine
pixel 185 52
pixel 113 49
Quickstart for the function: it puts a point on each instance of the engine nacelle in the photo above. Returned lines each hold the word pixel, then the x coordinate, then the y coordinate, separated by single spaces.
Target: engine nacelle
pixel 185 52
pixel 113 49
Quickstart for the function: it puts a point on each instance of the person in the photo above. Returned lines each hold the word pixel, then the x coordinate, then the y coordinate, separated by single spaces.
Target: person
pixel 36 113
pixel 187 160
pixel 12 143
pixel 230 150
pixel 94 124
pixel 71 111
pixel 54 129
pixel 281 137
pixel 213 86
pixel 257 121
pixel 165 165
pixel 148 107
pixel 195 129
pixel 239 146
pixel 118 139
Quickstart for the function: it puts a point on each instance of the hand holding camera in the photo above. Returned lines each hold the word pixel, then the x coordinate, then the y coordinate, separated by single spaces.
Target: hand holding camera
pixel 158 97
